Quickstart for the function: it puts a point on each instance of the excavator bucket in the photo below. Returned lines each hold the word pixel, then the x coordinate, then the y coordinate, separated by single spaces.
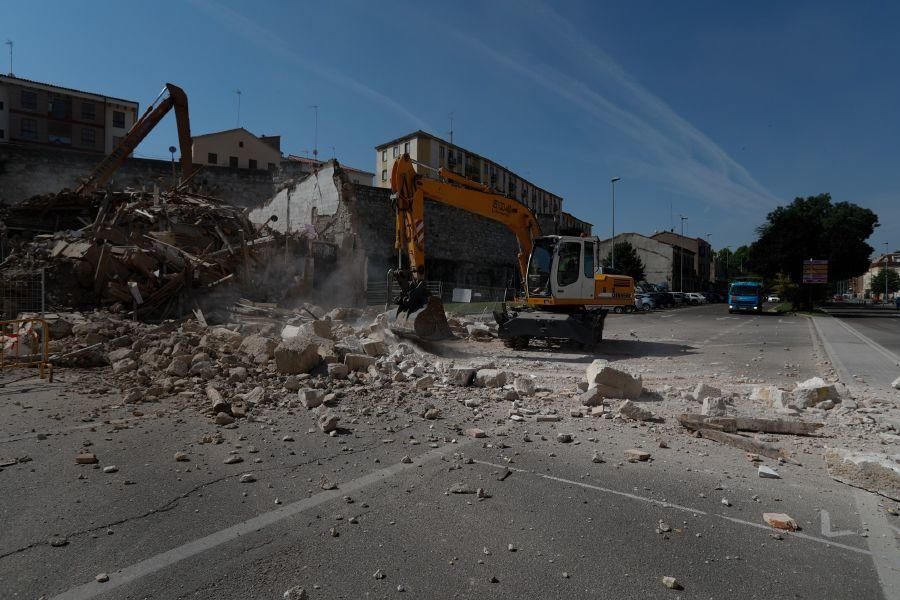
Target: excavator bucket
pixel 428 323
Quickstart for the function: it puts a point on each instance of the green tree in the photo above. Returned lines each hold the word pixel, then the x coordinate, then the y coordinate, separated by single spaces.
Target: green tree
pixel 627 261
pixel 734 263
pixel 814 227
pixel 784 288
pixel 877 284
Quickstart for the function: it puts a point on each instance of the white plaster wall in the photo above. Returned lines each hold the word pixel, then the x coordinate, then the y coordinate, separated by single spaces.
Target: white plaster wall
pixel 294 208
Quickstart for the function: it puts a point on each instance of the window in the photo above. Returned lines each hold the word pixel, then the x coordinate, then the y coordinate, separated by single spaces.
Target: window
pixel 589 260
pixel 241 144
pixel 212 158
pixel 384 156
pixel 396 151
pixel 29 100
pixel 29 129
pixel 569 259
pixel 406 148
pixel 119 119
pixel 60 107
pixel 1 104
pixel 442 155
pixel 2 134
pixel 251 163
pixel 88 111
pixel 233 162
pixel 88 137
pixel 384 174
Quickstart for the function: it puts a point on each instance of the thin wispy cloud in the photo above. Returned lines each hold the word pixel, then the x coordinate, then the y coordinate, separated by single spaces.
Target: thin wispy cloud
pixel 267 40
pixel 667 148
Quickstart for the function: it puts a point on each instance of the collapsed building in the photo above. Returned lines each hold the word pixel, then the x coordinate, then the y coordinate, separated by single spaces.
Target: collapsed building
pixel 463 249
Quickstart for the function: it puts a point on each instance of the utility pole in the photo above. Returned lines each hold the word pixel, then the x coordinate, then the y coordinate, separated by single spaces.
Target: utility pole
pixel 612 183
pixel 681 256
pixel 315 108
pixel 10 44
pixel 238 92
pixel 885 272
pixel 451 127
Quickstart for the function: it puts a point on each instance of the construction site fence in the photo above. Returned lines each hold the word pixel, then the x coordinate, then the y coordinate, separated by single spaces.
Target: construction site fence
pixel 26 293
pixel 383 293
pixel 25 343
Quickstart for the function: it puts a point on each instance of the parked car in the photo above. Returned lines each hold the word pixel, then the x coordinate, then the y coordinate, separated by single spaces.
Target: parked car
pixel 774 298
pixel 695 298
pixel 663 300
pixel 644 302
pixel 712 297
pixel 677 297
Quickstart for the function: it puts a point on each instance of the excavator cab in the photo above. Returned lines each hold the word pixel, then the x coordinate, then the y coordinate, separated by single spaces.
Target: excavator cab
pixel 561 271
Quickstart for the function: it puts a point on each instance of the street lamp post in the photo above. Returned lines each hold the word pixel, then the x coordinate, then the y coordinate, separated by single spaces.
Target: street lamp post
pixel 172 152
pixel 681 257
pixel 612 184
pixel 885 272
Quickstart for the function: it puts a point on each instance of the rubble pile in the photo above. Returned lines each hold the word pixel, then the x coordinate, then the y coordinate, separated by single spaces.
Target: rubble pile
pixel 155 252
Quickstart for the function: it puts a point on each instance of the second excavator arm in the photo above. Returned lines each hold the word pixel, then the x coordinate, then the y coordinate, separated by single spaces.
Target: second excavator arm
pixel 410 192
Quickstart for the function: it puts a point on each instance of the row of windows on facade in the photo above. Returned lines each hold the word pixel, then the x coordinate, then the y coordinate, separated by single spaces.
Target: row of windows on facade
pixel 28 130
pixel 60 107
pixel 536 200
pixel 213 159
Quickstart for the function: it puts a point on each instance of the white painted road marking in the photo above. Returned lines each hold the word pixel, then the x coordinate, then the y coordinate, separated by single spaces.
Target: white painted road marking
pixel 883 546
pixel 826 526
pixel 166 559
pixel 698 511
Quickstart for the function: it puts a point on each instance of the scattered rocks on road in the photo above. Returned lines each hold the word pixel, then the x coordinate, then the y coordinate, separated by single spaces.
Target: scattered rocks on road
pixel 672 583
pixel 636 455
pixel 768 472
pixel 781 521
pixel 295 593
pixel 630 410
pixel 86 458
pixel 613 383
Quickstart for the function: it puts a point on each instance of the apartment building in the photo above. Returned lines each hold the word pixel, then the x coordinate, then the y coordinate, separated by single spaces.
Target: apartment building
pixel 433 153
pixel 238 149
pixel 42 114
pixel 703 275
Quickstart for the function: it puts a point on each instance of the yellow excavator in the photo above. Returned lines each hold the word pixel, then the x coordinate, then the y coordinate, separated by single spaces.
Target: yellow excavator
pixel 564 296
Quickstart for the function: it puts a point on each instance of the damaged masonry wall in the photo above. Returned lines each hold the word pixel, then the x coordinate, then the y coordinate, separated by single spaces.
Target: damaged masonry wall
pixel 461 248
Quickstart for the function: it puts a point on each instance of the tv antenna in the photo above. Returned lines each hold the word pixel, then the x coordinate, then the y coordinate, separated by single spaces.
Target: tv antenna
pixel 10 44
pixel 315 108
pixel 238 93
pixel 451 127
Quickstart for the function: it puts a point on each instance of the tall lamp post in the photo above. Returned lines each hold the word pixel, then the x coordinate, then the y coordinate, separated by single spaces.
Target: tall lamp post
pixel 681 257
pixel 885 273
pixel 612 184
pixel 172 152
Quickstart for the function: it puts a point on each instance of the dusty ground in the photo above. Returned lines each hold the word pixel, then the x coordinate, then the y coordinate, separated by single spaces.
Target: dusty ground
pixel 162 528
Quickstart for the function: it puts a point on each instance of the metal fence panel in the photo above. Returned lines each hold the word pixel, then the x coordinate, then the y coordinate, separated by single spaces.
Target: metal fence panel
pixel 24 293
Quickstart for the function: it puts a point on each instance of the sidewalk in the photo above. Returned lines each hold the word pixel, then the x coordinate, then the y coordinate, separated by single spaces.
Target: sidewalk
pixel 862 364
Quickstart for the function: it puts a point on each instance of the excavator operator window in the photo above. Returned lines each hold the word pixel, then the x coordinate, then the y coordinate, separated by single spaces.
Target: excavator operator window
pixel 569 263
pixel 539 267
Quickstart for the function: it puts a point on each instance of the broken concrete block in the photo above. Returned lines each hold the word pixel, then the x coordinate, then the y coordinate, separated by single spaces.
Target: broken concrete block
pixel 322 328
pixel 490 378
pixel 636 455
pixel 328 422
pixel 613 383
pixel 812 391
pixel 217 402
pixel 226 335
pixel 311 397
pixel 255 396
pixel 630 410
pixel 524 385
pixel 460 376
pixel 237 374
pixel 296 355
pixel 359 362
pixel 704 391
pixel 767 472
pixel 672 583
pixel 125 365
pixel 120 354
pixel 780 521
pixel 592 397
pixel 86 458
pixel 338 371
pixel 474 432
pixel 769 395
pixel 896 384
pixel 872 471
pixel 423 383
pixel 548 418
pixel 373 347
pixel 597 411
pixel 223 418
pixel 295 593
pixel 714 407
pixel 260 349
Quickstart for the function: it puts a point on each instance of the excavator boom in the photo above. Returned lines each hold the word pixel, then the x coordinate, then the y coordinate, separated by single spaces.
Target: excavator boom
pixel 171 97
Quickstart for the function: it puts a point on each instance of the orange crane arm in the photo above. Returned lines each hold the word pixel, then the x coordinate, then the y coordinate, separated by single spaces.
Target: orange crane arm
pixel 411 190
pixel 177 99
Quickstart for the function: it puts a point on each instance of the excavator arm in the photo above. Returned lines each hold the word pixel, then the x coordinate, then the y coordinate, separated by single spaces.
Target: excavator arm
pixel 411 191
pixel 171 97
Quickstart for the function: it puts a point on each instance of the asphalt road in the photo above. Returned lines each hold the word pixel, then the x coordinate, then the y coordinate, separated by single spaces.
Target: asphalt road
pixel 580 529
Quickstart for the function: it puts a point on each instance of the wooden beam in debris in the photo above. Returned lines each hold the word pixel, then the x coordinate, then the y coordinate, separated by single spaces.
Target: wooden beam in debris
pixel 744 443
pixel 733 424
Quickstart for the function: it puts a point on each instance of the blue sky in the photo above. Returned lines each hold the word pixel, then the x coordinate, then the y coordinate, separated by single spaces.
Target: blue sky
pixel 719 110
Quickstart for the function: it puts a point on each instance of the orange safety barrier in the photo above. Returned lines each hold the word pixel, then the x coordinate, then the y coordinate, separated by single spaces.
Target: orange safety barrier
pixel 25 343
